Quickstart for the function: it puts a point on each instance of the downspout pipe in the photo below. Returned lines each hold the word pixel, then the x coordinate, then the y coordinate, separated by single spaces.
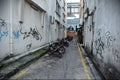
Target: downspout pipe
pixel 21 11
pixel 11 24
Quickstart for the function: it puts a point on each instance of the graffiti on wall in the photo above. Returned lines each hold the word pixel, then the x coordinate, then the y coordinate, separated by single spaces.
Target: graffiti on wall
pixel 3 29
pixel 99 44
pixel 109 38
pixel 116 54
pixel 28 46
pixel 110 41
pixel 16 34
pixel 33 32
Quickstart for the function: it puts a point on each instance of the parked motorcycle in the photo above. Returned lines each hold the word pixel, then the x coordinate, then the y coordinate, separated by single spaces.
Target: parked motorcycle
pixel 65 42
pixel 54 50
pixel 69 38
pixel 61 46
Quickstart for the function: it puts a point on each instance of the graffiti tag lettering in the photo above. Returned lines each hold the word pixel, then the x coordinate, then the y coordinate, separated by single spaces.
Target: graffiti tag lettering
pixel 33 32
pixel 116 54
pixel 109 38
pixel 99 44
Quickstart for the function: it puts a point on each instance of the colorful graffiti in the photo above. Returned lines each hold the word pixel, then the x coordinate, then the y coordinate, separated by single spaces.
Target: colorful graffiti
pixel 33 32
pixel 3 29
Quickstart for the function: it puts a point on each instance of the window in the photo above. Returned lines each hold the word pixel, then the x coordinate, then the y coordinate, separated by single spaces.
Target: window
pixel 74 7
pixel 57 8
pixel 76 10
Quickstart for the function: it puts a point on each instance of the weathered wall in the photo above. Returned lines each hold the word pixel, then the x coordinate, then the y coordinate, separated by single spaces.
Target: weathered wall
pixel 30 34
pixel 25 27
pixel 4 27
pixel 106 34
pixel 16 38
pixel 88 25
pixel 42 3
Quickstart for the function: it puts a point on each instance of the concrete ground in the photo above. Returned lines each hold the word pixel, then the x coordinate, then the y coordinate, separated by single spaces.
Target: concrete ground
pixel 71 66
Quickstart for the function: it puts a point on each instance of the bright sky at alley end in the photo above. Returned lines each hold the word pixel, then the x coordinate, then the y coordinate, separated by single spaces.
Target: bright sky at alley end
pixel 73 1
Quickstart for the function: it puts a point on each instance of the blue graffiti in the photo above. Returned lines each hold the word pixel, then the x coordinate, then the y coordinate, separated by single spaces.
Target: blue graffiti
pixel 3 29
pixel 2 34
pixel 16 34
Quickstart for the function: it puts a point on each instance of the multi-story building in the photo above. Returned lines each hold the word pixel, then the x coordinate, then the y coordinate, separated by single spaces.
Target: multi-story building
pixel 73 9
pixel 60 17
pixel 28 25
pixel 73 14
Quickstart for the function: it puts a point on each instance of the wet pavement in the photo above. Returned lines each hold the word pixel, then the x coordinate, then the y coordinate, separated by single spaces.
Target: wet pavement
pixel 68 67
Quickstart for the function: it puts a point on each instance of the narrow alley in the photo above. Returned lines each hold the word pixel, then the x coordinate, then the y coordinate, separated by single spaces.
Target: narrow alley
pixel 60 39
pixel 68 67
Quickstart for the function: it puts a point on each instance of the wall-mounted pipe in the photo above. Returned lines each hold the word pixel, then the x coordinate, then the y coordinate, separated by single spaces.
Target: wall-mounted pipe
pixel 11 41
pixel 21 11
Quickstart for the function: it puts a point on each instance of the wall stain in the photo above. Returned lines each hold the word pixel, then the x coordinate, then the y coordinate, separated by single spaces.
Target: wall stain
pixel 3 29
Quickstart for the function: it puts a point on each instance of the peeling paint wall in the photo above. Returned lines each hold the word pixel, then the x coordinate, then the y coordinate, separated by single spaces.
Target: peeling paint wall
pixel 106 34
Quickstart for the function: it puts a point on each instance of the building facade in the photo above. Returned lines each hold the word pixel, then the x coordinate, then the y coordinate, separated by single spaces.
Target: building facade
pixel 73 14
pixel 28 25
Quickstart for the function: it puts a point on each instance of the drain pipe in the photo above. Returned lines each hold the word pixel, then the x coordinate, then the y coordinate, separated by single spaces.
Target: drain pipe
pixel 11 24
pixel 21 11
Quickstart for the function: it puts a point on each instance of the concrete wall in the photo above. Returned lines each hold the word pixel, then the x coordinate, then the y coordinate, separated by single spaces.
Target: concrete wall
pixel 101 33
pixel 25 25
pixel 44 4
pixel 4 27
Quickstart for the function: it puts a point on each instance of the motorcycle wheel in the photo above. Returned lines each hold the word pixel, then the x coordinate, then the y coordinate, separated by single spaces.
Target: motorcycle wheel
pixel 62 50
